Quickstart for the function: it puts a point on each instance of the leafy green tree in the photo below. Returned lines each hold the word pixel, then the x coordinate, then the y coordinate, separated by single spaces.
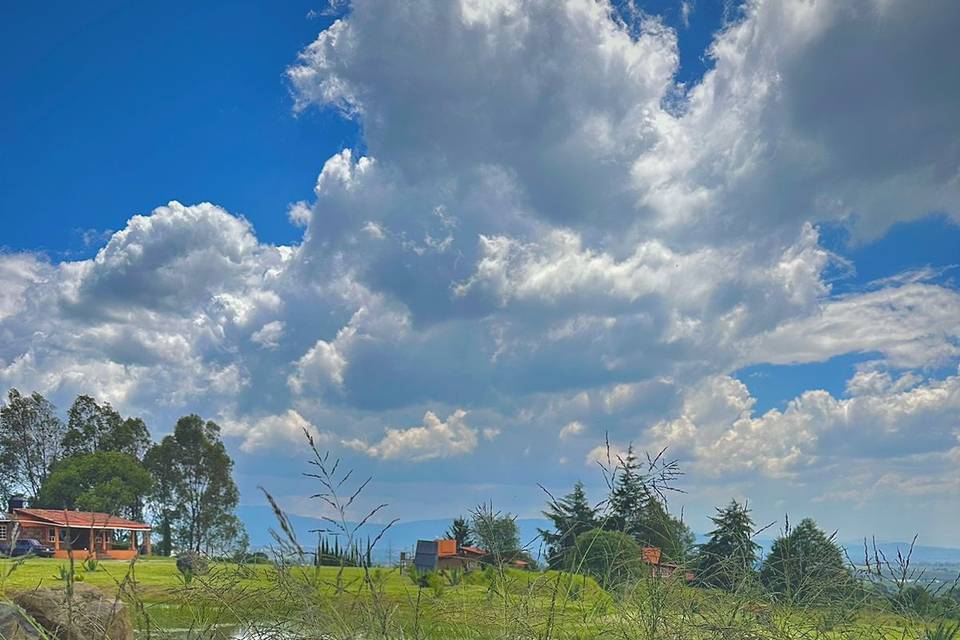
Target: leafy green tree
pixel 571 515
pixel 195 489
pixel 806 566
pixel 99 427
pixel 497 533
pixel 163 500
pixel 105 481
pixel 227 538
pixel 728 557
pixel 30 437
pixel 611 557
pixel 460 531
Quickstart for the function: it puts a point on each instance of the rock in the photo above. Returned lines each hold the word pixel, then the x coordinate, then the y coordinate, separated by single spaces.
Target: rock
pixel 15 624
pixel 91 613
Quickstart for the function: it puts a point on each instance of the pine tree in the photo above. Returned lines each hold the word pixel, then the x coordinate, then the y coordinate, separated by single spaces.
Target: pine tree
pixel 638 512
pixel 460 531
pixel 728 557
pixel 571 515
pixel 629 497
pixel 806 566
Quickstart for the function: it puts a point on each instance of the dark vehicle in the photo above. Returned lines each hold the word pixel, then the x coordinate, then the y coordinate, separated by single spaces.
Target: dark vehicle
pixel 27 547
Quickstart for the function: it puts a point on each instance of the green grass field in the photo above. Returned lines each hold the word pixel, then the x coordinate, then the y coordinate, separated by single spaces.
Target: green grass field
pixel 384 603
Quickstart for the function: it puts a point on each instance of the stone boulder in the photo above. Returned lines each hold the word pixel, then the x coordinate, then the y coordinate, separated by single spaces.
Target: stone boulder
pixel 16 625
pixel 90 615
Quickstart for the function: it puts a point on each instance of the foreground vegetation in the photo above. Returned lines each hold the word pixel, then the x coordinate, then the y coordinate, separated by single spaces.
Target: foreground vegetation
pixel 268 599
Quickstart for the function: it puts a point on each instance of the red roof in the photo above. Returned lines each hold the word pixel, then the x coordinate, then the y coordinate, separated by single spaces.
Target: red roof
pixel 477 551
pixel 76 519
pixel 650 555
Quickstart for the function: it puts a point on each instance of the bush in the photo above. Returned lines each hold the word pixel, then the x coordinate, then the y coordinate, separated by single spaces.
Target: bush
pixel 191 563
pixel 610 557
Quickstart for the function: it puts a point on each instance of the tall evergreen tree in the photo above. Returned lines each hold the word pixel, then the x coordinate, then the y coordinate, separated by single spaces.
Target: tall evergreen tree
pixel 629 496
pixel 460 531
pixel 806 566
pixel 639 512
pixel 571 515
pixel 728 557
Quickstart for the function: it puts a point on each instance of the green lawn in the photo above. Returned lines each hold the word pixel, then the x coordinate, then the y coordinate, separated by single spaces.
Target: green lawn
pixel 514 604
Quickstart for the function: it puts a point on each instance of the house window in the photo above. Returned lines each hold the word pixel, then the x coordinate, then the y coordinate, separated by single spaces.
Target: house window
pixel 52 537
pixel 3 532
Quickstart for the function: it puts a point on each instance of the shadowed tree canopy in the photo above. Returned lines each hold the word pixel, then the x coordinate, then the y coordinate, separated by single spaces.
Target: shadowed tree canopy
pixel 106 481
pixel 99 427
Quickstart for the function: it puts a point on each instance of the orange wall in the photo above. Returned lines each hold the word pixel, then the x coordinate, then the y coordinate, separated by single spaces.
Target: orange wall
pixel 446 547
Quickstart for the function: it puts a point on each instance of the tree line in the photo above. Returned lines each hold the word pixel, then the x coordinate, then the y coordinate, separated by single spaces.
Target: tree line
pixel 98 460
pixel 606 540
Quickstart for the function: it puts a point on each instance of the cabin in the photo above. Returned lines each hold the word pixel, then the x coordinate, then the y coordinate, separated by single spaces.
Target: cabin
pixel 437 555
pixel 652 557
pixel 82 533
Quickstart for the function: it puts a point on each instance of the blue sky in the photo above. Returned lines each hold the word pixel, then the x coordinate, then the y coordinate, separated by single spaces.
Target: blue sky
pixel 468 240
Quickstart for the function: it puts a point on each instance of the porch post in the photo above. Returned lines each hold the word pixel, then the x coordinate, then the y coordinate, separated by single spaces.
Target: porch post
pixel 133 540
pixel 147 544
pixel 56 538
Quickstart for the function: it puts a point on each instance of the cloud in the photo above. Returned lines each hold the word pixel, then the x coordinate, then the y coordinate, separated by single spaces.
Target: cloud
pixel 913 325
pixel 574 428
pixel 883 418
pixel 543 227
pixel 268 336
pixel 434 439
pixel 18 273
pixel 281 432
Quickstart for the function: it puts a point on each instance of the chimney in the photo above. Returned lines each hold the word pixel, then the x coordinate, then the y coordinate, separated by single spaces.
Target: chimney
pixel 16 502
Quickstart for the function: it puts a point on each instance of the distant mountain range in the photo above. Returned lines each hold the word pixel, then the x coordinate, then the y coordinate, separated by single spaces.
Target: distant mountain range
pixel 403 536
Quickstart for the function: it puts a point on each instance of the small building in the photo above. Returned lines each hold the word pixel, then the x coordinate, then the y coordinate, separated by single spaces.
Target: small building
pixel 437 555
pixel 7 527
pixel 84 533
pixel 653 558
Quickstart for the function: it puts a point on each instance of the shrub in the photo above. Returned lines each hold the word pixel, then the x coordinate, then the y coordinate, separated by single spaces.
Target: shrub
pixel 191 563
pixel 611 557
